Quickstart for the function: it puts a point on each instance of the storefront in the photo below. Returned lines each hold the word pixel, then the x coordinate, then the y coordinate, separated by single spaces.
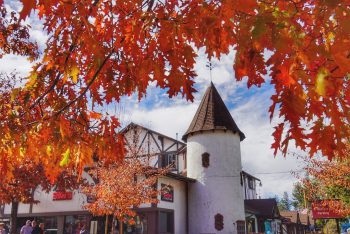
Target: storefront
pixel 63 212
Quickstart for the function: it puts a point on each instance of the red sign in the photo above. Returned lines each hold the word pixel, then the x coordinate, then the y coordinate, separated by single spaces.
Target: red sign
pixel 62 195
pixel 323 210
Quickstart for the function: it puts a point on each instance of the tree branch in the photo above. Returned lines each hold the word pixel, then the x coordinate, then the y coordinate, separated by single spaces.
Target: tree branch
pixel 88 85
pixel 71 49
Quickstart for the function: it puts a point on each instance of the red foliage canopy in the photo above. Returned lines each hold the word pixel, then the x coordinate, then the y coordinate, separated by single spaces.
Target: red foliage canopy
pixel 100 50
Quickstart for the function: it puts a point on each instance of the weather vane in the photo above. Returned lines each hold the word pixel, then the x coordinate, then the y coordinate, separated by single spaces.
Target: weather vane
pixel 210 66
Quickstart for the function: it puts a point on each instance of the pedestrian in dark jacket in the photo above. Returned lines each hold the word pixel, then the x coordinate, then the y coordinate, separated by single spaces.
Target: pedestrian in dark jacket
pixel 36 228
pixel 42 228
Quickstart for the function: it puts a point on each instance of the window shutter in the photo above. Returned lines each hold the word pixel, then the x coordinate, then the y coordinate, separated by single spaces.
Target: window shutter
pixel 219 222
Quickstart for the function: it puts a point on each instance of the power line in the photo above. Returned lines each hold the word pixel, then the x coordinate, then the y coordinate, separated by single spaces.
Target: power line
pixel 259 173
pixel 277 172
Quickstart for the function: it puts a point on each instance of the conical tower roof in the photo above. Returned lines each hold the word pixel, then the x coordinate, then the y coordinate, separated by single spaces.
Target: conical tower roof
pixel 212 114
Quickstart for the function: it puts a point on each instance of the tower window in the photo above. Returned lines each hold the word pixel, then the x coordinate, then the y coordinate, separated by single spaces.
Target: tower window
pixel 205 160
pixel 219 222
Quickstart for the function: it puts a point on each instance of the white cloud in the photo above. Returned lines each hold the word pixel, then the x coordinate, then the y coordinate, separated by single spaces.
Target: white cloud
pixel 13 63
pixel 168 120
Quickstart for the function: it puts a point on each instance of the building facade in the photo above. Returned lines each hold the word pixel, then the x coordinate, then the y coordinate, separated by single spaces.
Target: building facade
pixel 250 184
pixel 203 193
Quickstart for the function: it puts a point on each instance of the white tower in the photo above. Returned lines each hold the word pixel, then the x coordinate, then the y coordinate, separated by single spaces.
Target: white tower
pixel 216 202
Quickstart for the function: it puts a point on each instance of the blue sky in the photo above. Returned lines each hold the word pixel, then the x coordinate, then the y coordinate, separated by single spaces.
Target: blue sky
pixel 249 108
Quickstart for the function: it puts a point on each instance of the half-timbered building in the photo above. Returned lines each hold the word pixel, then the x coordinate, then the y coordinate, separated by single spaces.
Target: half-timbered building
pixel 202 192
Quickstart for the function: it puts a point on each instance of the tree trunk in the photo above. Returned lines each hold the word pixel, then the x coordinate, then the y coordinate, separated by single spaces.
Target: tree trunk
pixel 13 219
pixel 113 224
pixel 106 225
pixel 31 204
pixel 120 226
pixel 2 208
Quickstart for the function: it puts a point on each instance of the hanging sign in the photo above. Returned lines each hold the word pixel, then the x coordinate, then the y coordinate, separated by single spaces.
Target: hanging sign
pixel 62 195
pixel 167 193
pixel 325 210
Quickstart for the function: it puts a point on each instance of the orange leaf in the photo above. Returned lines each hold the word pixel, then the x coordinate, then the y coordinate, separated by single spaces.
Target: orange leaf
pixel 28 6
pixel 321 82
pixel 95 115
pixel 284 76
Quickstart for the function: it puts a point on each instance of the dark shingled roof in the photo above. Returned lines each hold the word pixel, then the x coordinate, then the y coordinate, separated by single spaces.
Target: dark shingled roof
pixel 263 207
pixel 212 114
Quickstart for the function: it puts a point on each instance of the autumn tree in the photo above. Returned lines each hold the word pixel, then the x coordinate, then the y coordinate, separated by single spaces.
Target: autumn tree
pixel 20 188
pixel 121 187
pixel 20 173
pixel 65 142
pixel 329 180
pixel 98 51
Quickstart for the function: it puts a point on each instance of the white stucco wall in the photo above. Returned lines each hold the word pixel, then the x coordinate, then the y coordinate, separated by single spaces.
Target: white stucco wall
pixel 22 209
pixel 47 204
pixel 179 204
pixel 218 188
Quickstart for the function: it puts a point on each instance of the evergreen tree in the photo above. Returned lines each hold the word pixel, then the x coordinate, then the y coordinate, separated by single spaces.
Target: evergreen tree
pixel 284 203
pixel 298 197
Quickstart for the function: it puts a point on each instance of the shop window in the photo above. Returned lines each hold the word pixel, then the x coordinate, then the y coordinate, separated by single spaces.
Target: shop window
pixel 205 160
pixel 74 223
pixel 240 227
pixel 166 222
pixel 219 222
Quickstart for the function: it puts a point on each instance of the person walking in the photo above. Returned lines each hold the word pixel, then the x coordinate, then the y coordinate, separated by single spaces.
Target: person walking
pixel 27 228
pixel 2 228
pixel 42 228
pixel 36 228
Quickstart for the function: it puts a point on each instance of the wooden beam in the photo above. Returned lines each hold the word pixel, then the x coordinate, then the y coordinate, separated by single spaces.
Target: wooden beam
pixel 170 147
pixel 143 140
pixel 155 141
